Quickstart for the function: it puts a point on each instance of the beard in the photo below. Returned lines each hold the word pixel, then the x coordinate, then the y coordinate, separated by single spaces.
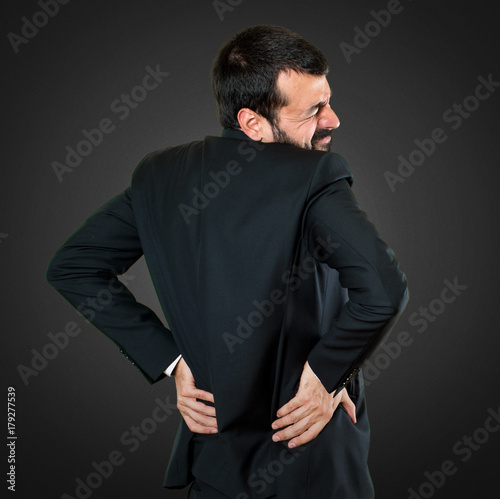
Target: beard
pixel 281 137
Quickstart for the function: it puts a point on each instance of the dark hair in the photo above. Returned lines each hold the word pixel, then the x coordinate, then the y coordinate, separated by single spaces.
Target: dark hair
pixel 245 70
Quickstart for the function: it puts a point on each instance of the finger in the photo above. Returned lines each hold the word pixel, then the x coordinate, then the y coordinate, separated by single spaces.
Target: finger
pixel 204 421
pixel 350 408
pixel 292 418
pixel 293 430
pixel 195 427
pixel 201 419
pixel 290 406
pixel 310 434
pixel 197 394
pixel 195 406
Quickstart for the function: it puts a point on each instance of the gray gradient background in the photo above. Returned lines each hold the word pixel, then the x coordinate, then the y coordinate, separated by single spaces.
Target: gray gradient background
pixel 442 222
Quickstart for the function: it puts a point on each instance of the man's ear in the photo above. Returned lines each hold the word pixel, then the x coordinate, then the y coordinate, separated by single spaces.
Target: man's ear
pixel 254 125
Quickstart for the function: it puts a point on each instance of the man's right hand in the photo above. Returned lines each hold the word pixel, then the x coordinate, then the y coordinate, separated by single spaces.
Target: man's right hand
pixel 305 415
pixel 199 417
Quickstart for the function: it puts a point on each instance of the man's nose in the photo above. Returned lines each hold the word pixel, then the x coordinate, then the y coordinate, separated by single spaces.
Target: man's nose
pixel 327 118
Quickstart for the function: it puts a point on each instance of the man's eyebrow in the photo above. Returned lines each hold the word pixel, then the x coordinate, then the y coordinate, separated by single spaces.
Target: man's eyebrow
pixel 318 105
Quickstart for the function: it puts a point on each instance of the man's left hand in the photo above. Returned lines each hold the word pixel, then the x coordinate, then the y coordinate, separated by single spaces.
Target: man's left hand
pixel 199 417
pixel 305 416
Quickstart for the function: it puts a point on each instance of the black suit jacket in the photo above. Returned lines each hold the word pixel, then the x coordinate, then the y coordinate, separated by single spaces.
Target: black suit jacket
pixel 261 259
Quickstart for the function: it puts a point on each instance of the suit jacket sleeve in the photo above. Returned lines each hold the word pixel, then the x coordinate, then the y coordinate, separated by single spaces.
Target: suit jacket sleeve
pixel 367 268
pixel 84 270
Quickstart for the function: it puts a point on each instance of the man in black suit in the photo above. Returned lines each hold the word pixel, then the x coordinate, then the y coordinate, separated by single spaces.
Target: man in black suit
pixel 275 286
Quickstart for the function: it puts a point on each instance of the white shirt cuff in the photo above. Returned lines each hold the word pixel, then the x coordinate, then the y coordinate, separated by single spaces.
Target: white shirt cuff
pixel 171 367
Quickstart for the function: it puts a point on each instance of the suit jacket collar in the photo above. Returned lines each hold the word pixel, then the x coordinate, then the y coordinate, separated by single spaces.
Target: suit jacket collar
pixel 235 134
